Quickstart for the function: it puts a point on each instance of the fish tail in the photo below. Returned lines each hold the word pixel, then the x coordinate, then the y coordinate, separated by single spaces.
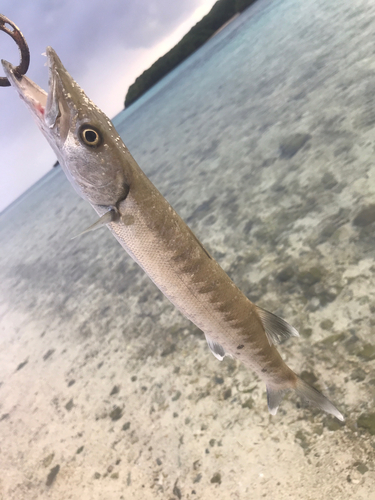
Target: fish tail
pixel 311 394
pixel 304 390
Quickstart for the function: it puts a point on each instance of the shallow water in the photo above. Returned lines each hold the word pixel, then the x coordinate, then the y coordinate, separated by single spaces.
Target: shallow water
pixel 263 141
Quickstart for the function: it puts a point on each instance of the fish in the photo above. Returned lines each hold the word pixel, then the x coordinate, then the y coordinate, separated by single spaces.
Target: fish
pixel 103 172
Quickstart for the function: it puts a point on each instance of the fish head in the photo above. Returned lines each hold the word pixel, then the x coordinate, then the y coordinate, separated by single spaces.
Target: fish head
pixel 88 148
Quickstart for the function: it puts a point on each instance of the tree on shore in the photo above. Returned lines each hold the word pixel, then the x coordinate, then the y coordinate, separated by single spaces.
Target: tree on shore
pixel 221 12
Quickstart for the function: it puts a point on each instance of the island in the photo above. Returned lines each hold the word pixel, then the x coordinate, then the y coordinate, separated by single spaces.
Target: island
pixel 222 12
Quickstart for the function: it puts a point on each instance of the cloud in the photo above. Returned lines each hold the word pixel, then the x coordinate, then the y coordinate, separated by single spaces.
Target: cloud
pixel 86 33
pixel 104 46
pixel 87 27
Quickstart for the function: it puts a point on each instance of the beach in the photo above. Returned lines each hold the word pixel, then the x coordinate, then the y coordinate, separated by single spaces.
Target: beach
pixel 263 141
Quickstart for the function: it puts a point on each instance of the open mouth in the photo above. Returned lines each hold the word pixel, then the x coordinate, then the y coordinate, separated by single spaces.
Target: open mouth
pixel 31 93
pixel 44 107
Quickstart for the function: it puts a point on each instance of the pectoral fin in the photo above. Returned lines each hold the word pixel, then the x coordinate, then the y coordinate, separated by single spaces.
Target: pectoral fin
pixel 108 217
pixel 216 349
pixel 274 398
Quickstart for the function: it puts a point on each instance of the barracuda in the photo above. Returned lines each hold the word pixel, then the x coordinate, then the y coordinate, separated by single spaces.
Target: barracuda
pixel 103 172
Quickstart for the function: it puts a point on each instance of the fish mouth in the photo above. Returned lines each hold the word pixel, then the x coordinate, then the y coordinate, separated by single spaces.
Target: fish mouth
pixel 46 108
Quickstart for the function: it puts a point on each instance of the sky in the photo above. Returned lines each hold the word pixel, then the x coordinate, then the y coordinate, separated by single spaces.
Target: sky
pixel 103 45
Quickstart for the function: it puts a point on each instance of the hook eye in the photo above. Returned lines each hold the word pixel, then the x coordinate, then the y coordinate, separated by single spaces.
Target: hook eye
pixel 12 30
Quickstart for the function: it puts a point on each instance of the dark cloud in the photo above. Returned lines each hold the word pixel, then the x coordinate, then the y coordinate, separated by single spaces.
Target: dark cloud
pixel 80 31
pixel 86 27
pixel 96 40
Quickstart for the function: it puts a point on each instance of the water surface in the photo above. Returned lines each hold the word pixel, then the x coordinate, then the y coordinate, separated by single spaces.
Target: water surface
pixel 263 141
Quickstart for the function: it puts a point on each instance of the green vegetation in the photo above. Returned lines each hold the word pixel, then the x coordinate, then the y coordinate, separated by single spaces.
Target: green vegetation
pixel 221 12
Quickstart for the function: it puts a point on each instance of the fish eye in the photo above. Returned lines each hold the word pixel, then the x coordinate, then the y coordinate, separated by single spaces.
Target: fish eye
pixel 90 136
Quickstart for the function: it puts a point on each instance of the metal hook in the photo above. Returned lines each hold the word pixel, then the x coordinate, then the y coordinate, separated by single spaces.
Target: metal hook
pixel 9 27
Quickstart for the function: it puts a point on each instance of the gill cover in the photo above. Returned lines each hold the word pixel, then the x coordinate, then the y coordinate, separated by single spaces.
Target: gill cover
pixel 97 163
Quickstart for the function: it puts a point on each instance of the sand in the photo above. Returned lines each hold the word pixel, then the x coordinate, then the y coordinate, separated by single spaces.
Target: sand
pixel 265 145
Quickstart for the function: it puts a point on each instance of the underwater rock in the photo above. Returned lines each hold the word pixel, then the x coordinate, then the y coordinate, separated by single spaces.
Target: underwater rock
pixel 176 396
pixel 332 424
pixel 292 144
pixel 326 296
pixel 203 209
pixel 310 276
pixel 332 339
pixel 327 232
pixel 216 478
pixel 218 380
pixel 351 344
pixel 367 352
pixel 329 181
pixel 52 475
pixel 365 217
pixel 69 405
pixel 21 365
pixel 248 226
pixel 358 374
pixel 170 348
pixel 227 393
pixel 285 274
pixel 48 460
pixel 116 413
pixel 308 377
pixel 115 390
pixel 302 440
pixel 367 421
pixel 361 467
pixel 326 324
pixel 176 490
pixel 249 403
pixel 48 354
pixel 306 332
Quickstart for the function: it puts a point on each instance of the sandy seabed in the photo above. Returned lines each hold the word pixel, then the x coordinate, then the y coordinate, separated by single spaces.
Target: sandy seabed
pixel 264 142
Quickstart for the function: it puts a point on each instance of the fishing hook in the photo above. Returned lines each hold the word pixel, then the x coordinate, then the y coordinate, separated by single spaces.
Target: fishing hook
pixel 9 27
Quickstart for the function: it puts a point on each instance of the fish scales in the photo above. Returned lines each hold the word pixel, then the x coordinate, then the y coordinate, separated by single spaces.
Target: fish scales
pixel 178 264
pixel 103 172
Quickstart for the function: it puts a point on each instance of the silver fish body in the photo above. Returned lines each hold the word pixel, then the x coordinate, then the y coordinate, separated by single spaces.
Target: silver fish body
pixel 103 172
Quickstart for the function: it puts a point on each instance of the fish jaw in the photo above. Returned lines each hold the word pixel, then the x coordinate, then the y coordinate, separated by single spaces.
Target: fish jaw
pixel 41 104
pixel 100 173
pixel 34 96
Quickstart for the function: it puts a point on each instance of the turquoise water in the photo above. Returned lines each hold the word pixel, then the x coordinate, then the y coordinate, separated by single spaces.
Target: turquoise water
pixel 263 141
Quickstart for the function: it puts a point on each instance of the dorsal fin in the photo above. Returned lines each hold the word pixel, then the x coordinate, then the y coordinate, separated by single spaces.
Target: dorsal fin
pixel 216 349
pixel 108 217
pixel 276 328
pixel 200 244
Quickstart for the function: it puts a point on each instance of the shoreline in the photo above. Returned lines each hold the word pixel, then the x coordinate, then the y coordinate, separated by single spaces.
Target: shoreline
pixel 225 25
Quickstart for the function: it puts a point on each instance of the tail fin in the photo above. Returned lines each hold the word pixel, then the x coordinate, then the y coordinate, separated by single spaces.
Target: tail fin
pixel 306 391
pixel 274 397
